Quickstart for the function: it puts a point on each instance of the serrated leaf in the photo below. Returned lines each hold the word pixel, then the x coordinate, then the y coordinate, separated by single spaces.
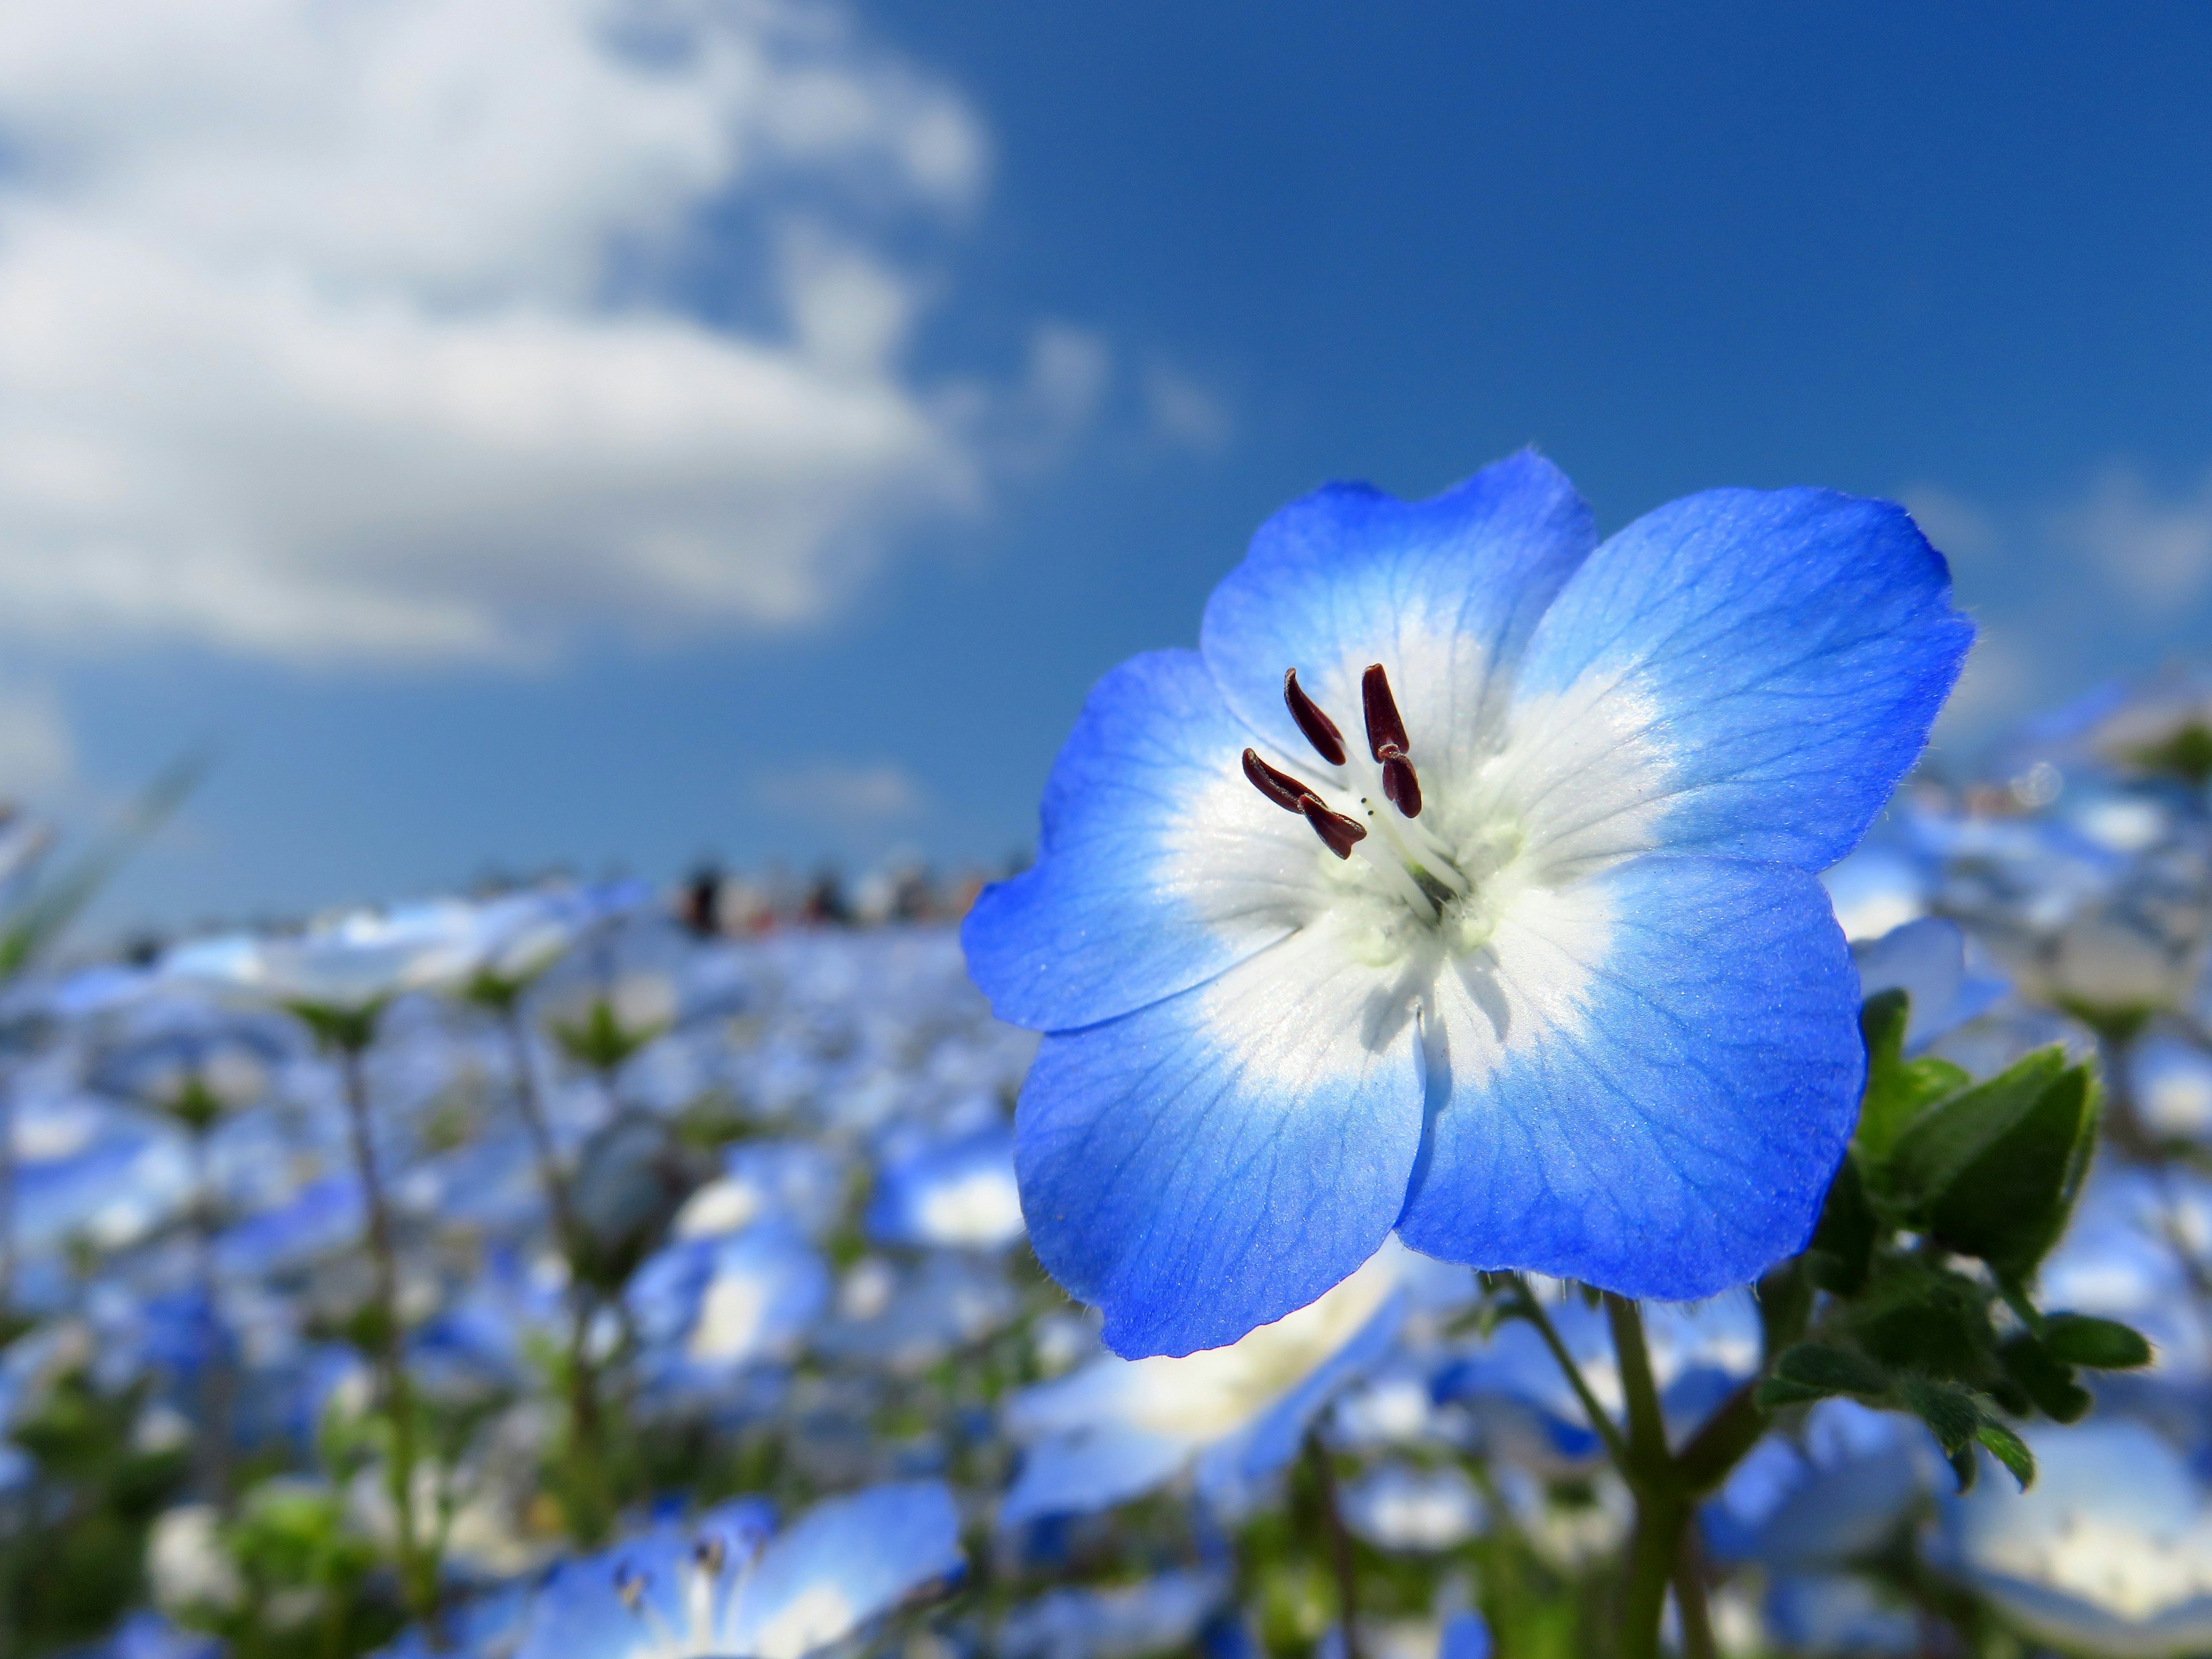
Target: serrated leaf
pixel 1898 1089
pixel 2009 1449
pixel 2009 1204
pixel 2103 1345
pixel 2047 1380
pixel 1963 1468
pixel 1949 1412
pixel 1830 1369
pixel 1928 1319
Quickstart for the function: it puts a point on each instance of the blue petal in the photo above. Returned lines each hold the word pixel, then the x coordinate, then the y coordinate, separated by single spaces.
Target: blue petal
pixel 1231 1472
pixel 1158 865
pixel 1208 1165
pixel 1443 592
pixel 844 1563
pixel 1773 661
pixel 1466 1636
pixel 1081 1473
pixel 1647 1081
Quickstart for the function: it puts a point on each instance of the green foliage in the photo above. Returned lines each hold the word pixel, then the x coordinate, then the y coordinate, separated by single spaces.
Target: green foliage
pixel 2186 754
pixel 1950 1196
pixel 95 1493
pixel 306 1586
pixel 342 1031
pixel 599 1041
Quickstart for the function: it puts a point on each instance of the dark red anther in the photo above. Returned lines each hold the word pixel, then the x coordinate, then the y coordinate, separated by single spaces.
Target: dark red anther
pixel 1384 725
pixel 1338 833
pixel 1321 731
pixel 1280 788
pixel 1399 782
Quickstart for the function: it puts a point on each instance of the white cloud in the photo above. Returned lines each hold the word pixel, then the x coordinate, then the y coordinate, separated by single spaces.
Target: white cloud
pixel 868 796
pixel 1183 412
pixel 2157 552
pixel 38 751
pixel 341 329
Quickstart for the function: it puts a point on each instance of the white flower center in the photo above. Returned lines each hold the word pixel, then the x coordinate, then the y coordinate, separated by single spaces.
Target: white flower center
pixel 1417 867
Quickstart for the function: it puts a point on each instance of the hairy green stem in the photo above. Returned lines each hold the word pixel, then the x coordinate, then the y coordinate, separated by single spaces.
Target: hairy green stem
pixel 1600 1421
pixel 1663 1504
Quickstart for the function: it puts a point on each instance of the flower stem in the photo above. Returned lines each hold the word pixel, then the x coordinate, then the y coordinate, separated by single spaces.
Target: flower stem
pixel 1600 1421
pixel 1690 1598
pixel 585 1488
pixel 1664 1503
pixel 1340 1545
pixel 418 1576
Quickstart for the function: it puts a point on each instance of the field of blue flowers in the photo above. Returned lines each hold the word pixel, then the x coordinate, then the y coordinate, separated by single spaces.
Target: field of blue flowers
pixel 588 1271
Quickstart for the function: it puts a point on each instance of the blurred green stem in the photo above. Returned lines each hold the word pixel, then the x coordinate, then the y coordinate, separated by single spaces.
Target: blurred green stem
pixel 1340 1544
pixel 418 1578
pixel 585 1488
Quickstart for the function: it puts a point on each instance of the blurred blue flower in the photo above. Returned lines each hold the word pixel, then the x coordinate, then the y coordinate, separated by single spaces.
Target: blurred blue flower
pixel 1235 1415
pixel 1928 960
pixel 1532 966
pixel 726 1589
pixel 2109 1551
pixel 1837 1490
pixel 1160 1615
pixel 961 1194
pixel 1699 1353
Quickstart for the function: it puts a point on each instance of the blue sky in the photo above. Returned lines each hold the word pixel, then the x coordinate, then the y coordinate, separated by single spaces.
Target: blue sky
pixel 1047 307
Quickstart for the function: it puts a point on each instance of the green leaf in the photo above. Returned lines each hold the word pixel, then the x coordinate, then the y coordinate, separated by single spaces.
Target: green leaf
pixel 2047 1380
pixel 1898 1089
pixel 2009 1204
pixel 1949 1411
pixel 2103 1345
pixel 1814 1370
pixel 1842 1250
pixel 2009 1449
pixel 1944 1140
pixel 1918 1316
pixel 1964 1469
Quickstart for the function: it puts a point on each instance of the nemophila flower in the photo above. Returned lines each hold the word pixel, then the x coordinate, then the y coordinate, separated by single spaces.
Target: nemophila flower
pixel 1836 1491
pixel 2109 1551
pixel 350 964
pixel 1462 883
pixel 726 1589
pixel 960 1193
pixel 1929 961
pixel 1404 1506
pixel 1232 1416
pixel 1160 1615
pixel 705 1309
pixel 1530 1413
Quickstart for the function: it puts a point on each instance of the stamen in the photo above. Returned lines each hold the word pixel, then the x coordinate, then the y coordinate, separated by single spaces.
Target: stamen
pixel 1399 782
pixel 1280 788
pixel 629 1586
pixel 1385 727
pixel 1338 833
pixel 1321 731
pixel 710 1553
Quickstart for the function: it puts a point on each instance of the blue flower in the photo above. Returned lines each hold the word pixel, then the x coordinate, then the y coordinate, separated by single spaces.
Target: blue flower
pixel 1118 1428
pixel 960 1193
pixel 1495 921
pixel 725 1588
pixel 2109 1551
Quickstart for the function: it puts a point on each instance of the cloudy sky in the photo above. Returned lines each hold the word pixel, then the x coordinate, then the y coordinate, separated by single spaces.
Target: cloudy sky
pixel 616 431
